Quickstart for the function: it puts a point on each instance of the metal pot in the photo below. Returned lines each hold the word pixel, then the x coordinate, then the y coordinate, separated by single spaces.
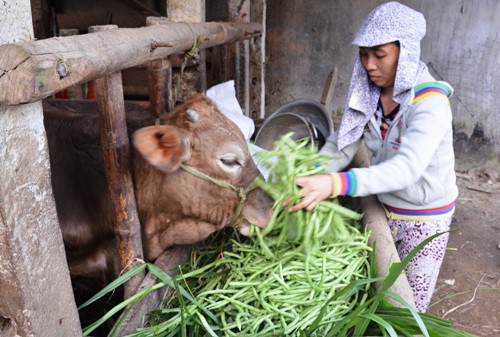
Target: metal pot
pixel 305 118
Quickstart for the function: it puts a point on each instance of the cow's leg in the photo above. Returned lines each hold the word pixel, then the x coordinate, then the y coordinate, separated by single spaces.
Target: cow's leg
pixel 185 232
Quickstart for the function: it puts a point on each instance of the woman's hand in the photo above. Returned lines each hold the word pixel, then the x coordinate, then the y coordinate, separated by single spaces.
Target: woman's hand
pixel 314 190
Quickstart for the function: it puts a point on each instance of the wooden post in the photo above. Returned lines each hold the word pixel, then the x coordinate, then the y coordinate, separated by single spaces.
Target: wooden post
pixel 160 86
pixel 239 11
pixel 250 57
pixel 160 78
pixel 191 11
pixel 36 297
pixel 116 156
pixel 219 71
pixel 224 62
pixel 257 59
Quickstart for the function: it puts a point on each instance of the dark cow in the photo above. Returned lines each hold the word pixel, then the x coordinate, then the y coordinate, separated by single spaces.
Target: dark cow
pixel 175 207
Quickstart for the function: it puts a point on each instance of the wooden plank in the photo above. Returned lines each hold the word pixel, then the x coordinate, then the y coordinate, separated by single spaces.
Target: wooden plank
pixel 116 157
pixel 168 262
pixel 30 71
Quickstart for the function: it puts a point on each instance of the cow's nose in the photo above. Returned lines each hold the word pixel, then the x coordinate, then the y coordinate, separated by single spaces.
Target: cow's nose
pixel 258 208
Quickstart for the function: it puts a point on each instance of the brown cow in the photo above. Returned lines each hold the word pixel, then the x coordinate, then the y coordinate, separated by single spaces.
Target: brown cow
pixel 175 206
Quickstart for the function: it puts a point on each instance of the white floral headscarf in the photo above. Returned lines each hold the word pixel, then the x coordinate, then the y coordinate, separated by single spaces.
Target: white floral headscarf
pixel 387 23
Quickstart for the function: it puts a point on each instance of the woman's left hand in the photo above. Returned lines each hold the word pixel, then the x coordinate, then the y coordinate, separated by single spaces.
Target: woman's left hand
pixel 314 190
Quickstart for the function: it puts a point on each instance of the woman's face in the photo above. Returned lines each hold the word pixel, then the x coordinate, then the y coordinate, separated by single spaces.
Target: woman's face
pixel 381 63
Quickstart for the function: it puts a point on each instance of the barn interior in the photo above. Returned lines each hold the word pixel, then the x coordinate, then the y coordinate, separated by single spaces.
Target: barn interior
pixel 301 51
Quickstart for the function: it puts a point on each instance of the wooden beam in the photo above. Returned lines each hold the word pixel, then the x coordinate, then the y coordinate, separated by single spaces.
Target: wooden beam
pixel 116 156
pixel 30 71
pixel 74 91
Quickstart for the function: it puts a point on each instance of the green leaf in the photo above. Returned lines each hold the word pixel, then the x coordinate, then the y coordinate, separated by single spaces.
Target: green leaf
pixel 380 321
pixel 206 325
pixel 348 291
pixel 160 273
pixel 397 268
pixel 115 284
pixel 415 314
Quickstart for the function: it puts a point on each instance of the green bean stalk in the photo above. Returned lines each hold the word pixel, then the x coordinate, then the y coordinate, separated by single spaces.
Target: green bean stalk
pixel 329 222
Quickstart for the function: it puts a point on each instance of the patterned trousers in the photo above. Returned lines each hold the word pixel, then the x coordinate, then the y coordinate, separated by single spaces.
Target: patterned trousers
pixel 423 270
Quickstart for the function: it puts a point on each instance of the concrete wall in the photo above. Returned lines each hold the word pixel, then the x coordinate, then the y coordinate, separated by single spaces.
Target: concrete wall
pixel 305 39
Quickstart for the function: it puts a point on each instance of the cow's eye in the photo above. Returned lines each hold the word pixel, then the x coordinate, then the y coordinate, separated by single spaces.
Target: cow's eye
pixel 230 162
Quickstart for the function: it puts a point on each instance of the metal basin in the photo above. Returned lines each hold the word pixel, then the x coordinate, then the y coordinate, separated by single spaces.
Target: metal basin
pixel 305 118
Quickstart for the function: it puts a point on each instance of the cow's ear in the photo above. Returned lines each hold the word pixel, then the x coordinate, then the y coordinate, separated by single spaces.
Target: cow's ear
pixel 163 146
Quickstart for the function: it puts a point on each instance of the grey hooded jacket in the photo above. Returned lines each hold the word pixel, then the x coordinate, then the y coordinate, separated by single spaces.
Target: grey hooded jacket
pixel 413 167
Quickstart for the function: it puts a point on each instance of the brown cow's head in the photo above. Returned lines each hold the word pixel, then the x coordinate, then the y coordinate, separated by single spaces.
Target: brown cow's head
pixel 177 207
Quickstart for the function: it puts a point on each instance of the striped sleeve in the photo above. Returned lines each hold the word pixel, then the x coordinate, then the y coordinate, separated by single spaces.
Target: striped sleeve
pixel 343 183
pixel 429 89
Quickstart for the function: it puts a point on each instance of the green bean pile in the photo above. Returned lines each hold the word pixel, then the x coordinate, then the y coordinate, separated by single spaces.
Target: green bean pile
pixel 283 295
pixel 276 281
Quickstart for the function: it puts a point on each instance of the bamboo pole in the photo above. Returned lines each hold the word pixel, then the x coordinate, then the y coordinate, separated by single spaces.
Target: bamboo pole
pixel 31 71
pixel 116 156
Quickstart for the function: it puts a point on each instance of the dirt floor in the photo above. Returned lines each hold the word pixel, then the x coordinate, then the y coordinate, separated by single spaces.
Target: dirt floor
pixel 467 292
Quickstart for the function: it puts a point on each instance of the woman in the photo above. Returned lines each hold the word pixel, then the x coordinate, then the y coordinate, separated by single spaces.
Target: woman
pixel 403 115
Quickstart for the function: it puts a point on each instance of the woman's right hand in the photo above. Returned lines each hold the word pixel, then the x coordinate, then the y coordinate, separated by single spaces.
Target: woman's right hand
pixel 314 190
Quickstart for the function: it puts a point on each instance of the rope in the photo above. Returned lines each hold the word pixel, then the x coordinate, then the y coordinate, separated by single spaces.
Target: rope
pixel 242 192
pixel 190 53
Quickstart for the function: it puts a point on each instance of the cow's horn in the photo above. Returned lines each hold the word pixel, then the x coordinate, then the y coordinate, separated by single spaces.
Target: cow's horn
pixel 193 115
